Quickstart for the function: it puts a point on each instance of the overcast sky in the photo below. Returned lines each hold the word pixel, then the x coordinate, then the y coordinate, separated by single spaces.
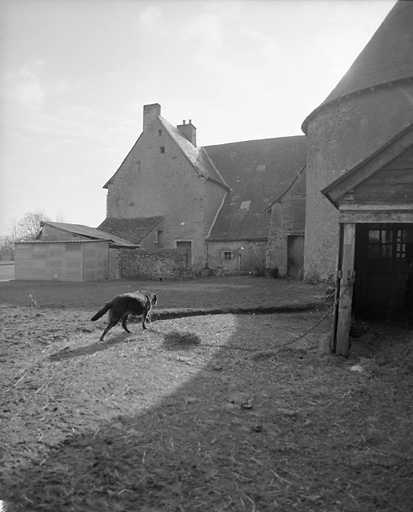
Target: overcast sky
pixel 75 74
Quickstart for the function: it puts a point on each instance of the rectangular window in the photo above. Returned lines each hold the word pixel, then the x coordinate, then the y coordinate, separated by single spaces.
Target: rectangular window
pixel 162 149
pixel 261 167
pixel 159 132
pixel 227 255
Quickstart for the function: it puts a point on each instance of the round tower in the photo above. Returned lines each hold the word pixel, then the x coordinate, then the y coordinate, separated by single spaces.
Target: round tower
pixel 370 106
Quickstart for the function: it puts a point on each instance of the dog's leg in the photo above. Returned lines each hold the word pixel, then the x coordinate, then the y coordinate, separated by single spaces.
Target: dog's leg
pixel 146 318
pixel 124 319
pixel 111 324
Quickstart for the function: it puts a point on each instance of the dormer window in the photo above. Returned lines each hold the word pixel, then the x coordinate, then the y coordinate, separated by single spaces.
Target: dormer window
pixel 245 205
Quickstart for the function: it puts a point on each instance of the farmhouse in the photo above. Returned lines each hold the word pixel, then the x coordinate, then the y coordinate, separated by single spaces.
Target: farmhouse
pixel 359 190
pixel 207 202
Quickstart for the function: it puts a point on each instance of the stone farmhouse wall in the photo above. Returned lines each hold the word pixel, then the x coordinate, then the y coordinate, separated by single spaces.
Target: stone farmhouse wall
pixel 237 256
pixel 185 200
pixel 282 225
pixel 161 265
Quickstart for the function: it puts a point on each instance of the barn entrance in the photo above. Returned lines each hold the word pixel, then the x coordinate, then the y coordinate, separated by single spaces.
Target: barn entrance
pixel 295 254
pixel 383 270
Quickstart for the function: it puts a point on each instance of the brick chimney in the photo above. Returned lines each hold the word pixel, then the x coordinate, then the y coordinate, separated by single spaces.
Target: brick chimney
pixel 188 131
pixel 150 113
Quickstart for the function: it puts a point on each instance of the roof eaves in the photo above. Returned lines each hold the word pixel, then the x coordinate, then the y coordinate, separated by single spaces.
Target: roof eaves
pixel 180 140
pixel 322 106
pixel 347 181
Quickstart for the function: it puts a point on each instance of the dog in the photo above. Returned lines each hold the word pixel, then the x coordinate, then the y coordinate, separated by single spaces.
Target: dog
pixel 120 307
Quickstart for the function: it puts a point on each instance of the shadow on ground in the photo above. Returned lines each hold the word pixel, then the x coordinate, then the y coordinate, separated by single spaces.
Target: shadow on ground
pixel 294 430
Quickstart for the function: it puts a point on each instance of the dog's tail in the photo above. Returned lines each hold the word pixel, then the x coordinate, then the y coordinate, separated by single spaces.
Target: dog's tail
pixel 102 311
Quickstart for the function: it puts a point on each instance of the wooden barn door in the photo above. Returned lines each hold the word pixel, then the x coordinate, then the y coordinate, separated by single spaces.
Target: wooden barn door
pixel 295 250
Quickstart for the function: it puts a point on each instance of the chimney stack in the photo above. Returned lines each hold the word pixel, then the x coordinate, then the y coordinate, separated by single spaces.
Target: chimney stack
pixel 150 113
pixel 188 131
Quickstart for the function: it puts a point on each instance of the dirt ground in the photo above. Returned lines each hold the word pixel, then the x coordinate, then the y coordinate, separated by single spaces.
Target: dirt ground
pixel 206 412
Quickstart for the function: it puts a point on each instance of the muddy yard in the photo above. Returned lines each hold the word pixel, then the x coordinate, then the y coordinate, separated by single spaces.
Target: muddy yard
pixel 218 412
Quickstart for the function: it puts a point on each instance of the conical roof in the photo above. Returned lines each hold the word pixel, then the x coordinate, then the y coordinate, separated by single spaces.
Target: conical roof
pixel 387 57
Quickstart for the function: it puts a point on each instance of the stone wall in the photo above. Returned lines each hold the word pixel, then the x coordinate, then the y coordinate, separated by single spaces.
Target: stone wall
pixel 281 225
pixel 161 265
pixel 342 135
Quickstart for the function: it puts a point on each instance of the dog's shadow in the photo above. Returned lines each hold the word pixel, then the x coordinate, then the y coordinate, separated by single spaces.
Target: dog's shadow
pixel 98 346
pixel 180 340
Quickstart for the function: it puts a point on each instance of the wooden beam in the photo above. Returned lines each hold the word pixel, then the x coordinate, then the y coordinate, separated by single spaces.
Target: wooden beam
pixel 346 290
pixel 375 216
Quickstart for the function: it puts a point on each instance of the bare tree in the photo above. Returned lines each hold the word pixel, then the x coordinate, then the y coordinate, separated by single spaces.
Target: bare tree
pixel 29 227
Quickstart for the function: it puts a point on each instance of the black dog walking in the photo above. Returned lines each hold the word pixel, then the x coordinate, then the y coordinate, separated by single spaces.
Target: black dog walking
pixel 120 307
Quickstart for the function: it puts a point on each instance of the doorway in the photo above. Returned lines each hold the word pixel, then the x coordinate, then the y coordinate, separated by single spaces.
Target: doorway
pixel 384 268
pixel 295 255
pixel 185 247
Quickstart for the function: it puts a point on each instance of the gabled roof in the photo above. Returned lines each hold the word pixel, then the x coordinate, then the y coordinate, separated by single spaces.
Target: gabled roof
pixel 353 177
pixel 135 229
pixel 257 172
pixel 91 233
pixel 196 155
pixel 387 58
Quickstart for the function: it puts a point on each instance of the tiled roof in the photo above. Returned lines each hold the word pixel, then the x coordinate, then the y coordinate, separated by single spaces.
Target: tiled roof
pixel 88 232
pixel 196 155
pixel 135 229
pixel 387 57
pixel 257 171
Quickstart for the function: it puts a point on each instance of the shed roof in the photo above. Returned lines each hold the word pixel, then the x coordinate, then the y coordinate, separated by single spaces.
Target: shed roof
pixel 92 233
pixel 135 229
pixel 257 171
pixel 387 57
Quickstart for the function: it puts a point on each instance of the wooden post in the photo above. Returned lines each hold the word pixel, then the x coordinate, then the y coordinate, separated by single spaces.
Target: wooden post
pixel 346 289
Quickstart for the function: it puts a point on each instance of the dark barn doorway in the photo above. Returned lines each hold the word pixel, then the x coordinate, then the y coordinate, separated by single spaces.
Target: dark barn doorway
pixel 295 255
pixel 384 271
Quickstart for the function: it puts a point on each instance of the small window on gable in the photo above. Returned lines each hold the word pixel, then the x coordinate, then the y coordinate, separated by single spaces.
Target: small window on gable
pixel 227 255
pixel 261 167
pixel 159 132
pixel 245 205
pixel 162 149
